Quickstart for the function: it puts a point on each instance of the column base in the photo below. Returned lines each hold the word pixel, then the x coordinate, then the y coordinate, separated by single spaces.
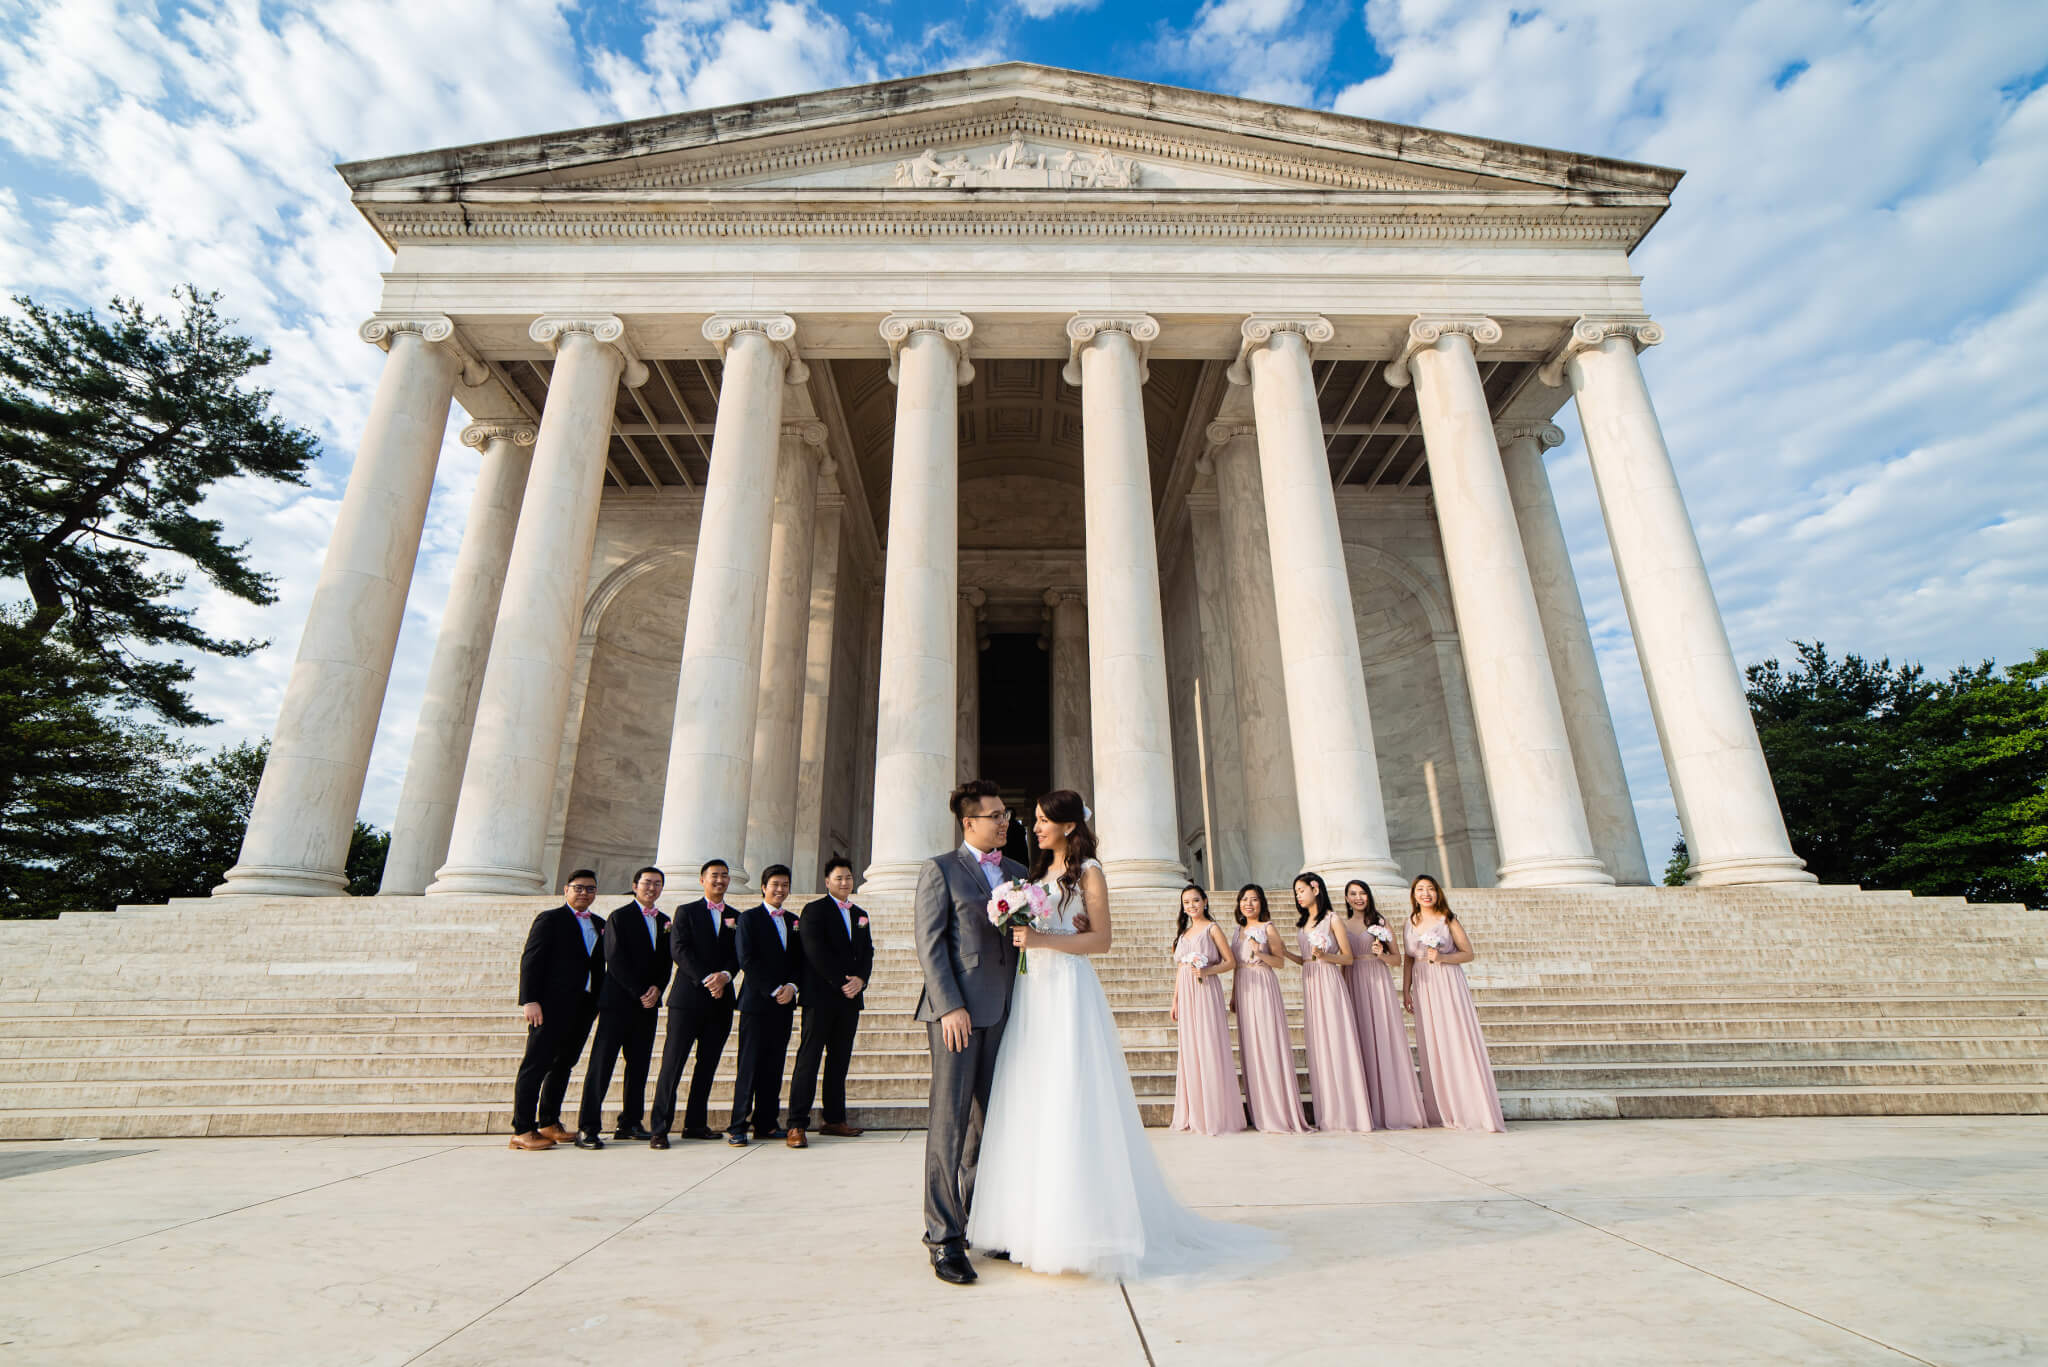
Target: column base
pixel 277 880
pixel 1561 872
pixel 896 879
pixel 1760 868
pixel 471 879
pixel 1143 875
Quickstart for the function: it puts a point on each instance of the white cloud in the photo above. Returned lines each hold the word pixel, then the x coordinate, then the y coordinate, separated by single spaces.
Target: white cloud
pixel 1261 49
pixel 1045 9
pixel 701 53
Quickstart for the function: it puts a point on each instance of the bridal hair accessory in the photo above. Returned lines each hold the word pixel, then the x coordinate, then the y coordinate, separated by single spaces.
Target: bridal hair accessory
pixel 1087 812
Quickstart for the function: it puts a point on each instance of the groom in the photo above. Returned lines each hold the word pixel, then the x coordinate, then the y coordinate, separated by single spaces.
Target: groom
pixel 968 971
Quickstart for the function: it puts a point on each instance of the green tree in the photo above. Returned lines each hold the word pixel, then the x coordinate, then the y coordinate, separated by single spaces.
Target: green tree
pixel 1681 863
pixel 1890 779
pixel 112 431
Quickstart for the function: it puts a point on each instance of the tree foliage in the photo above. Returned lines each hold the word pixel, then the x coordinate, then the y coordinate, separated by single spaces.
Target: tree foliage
pixel 1891 779
pixel 112 431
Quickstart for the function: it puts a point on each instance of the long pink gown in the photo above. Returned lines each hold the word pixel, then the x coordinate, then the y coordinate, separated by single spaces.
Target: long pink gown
pixel 1264 1043
pixel 1205 1095
pixel 1457 1077
pixel 1382 1038
pixel 1336 1066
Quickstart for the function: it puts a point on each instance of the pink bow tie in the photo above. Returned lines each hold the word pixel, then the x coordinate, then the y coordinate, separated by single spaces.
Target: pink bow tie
pixel 581 915
pixel 992 857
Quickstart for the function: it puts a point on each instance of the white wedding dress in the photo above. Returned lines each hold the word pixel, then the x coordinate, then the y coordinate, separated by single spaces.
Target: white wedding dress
pixel 1066 1181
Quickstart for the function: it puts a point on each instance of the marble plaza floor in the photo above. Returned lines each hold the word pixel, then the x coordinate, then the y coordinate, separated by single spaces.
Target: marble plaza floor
pixel 1713 1241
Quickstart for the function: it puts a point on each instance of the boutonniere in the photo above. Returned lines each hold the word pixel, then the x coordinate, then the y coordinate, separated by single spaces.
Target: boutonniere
pixel 795 921
pixel 861 921
pixel 731 921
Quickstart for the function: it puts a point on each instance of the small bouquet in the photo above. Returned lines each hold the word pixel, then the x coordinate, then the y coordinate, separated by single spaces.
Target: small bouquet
pixel 1253 944
pixel 1381 934
pixel 1196 958
pixel 1322 938
pixel 1435 939
pixel 1013 904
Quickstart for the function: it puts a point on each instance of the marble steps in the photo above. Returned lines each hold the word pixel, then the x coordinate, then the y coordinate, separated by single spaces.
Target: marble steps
pixel 1705 1103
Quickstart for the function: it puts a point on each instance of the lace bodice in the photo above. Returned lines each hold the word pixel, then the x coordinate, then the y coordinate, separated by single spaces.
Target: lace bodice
pixel 1065 905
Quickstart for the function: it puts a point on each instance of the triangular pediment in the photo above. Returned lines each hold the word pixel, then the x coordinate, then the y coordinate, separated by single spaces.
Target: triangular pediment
pixel 1012 127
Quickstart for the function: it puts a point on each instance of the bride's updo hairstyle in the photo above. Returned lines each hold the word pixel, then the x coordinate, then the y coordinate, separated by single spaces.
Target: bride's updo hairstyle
pixel 1065 806
pixel 1321 904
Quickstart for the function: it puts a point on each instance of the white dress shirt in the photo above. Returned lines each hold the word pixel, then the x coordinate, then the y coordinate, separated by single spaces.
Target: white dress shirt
pixel 992 872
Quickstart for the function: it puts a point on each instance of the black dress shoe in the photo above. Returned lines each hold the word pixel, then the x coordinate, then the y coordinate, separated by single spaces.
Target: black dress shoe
pixel 1001 1255
pixel 632 1134
pixel 659 1141
pixel 736 1141
pixel 700 1132
pixel 951 1265
pixel 586 1140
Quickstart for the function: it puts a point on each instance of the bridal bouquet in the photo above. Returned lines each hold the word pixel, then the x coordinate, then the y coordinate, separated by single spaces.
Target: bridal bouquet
pixel 1017 903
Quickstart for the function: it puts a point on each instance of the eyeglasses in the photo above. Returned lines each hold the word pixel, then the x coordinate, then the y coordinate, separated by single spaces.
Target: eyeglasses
pixel 1002 816
pixel 583 887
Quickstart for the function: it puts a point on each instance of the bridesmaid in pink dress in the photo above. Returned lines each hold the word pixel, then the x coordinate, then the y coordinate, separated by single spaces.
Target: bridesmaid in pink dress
pixel 1205 1095
pixel 1336 1066
pixel 1382 1033
pixel 1457 1077
pixel 1264 1042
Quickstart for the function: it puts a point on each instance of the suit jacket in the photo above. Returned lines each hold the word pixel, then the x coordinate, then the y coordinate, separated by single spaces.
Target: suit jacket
pixel 966 961
pixel 766 961
pixel 831 955
pixel 554 966
pixel 698 954
pixel 633 962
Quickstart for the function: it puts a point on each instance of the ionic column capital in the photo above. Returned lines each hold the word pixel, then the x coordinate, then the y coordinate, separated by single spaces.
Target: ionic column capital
pixel 1545 434
pixel 607 328
pixel 1055 597
pixel 1084 328
pixel 809 433
pixel 1427 331
pixel 482 434
pixel 1261 328
pixel 438 328
pixel 973 597
pixel 779 328
pixel 1590 331
pixel 954 327
pixel 1221 433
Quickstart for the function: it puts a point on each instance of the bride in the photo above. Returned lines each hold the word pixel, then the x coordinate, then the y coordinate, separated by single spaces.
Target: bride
pixel 1067 1181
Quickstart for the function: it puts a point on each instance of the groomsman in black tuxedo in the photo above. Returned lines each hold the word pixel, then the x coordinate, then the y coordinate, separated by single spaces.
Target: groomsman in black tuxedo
pixel 772 964
pixel 839 958
pixel 704 942
pixel 636 969
pixel 559 974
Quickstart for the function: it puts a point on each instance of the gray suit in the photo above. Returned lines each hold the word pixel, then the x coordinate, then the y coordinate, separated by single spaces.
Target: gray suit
pixel 966 964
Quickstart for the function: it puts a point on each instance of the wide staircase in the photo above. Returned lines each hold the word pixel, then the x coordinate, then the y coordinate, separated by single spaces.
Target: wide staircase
pixel 396 1015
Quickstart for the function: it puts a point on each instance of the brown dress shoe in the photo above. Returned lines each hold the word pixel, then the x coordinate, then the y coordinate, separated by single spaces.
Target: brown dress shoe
pixel 796 1140
pixel 533 1141
pixel 558 1134
pixel 840 1130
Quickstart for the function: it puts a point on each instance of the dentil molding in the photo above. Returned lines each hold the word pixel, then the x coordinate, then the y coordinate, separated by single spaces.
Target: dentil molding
pixel 1590 331
pixel 1427 331
pixel 779 328
pixel 954 327
pixel 606 328
pixel 435 328
pixel 1083 328
pixel 1259 329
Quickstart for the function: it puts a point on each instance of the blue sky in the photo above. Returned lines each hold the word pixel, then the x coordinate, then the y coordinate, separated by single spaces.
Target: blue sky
pixel 1853 277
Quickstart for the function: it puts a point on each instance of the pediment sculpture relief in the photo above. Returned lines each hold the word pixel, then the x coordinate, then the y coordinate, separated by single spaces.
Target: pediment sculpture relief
pixel 1016 166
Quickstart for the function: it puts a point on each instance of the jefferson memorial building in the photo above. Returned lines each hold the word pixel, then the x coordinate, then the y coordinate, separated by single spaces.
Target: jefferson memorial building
pixel 1058 429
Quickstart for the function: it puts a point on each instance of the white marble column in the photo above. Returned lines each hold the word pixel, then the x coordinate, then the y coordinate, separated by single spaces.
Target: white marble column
pixel 785 637
pixel 1336 767
pixel 967 691
pixel 915 720
pixel 1539 817
pixel 296 843
pixel 711 747
pixel 1733 827
pixel 440 743
pixel 1272 810
pixel 499 839
pixel 1135 813
pixel 1596 754
pixel 816 736
pixel 1073 744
